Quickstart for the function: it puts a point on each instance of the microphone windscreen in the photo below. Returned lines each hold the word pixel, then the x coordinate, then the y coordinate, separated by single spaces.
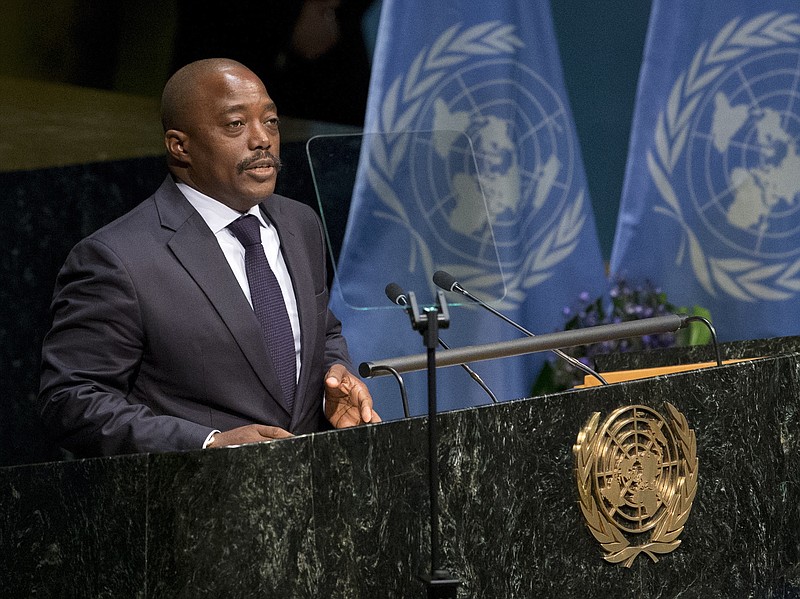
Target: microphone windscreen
pixel 444 280
pixel 394 292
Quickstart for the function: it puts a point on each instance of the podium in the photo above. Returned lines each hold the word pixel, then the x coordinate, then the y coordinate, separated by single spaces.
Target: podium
pixel 344 514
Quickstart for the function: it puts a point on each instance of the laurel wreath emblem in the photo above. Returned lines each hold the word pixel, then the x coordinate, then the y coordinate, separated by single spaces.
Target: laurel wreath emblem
pixel 744 279
pixel 399 110
pixel 664 537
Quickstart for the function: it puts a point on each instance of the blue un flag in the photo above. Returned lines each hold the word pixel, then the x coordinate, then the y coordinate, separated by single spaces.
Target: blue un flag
pixel 711 201
pixel 469 164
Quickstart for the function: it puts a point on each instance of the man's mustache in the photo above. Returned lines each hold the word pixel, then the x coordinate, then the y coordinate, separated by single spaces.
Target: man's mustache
pixel 261 156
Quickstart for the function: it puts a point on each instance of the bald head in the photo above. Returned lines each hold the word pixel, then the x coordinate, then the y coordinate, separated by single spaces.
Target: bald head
pixel 182 88
pixel 221 132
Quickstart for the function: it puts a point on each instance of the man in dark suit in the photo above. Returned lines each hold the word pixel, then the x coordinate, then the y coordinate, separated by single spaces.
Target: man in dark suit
pixel 155 345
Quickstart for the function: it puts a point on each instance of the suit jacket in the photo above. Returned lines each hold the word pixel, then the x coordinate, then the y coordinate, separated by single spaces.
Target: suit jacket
pixel 154 345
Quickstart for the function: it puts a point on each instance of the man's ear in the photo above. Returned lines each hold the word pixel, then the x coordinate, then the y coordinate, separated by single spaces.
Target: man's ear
pixel 175 141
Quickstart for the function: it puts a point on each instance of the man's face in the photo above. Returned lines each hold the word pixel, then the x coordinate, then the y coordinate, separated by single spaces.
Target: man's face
pixel 231 139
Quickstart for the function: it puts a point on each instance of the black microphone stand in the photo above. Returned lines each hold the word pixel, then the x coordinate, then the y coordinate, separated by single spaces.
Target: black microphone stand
pixel 439 582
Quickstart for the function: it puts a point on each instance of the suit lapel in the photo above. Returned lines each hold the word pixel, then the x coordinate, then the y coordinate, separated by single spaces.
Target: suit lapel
pixel 197 249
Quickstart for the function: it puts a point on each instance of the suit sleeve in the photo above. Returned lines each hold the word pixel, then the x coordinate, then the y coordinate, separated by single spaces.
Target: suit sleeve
pixel 90 359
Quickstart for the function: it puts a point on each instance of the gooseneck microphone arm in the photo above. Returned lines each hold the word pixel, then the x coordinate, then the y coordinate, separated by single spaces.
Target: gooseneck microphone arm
pixel 448 282
pixel 397 296
pixel 473 375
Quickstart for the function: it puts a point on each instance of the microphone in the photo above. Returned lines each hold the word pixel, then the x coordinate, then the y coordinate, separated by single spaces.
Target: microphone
pixel 448 282
pixel 397 296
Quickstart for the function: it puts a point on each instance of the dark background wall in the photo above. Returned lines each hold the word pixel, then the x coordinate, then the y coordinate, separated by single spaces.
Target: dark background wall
pixel 601 45
pixel 80 142
pixel 132 47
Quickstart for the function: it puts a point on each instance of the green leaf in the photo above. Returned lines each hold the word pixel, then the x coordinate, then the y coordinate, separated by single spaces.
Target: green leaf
pixel 696 333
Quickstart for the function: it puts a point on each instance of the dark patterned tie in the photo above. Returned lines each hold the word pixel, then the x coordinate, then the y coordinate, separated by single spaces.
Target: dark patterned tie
pixel 268 304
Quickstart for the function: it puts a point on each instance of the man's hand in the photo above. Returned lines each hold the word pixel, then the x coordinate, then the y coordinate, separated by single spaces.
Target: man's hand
pixel 252 433
pixel 347 399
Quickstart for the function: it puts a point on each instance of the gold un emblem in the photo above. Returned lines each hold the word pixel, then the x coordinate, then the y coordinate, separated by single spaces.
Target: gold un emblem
pixel 636 474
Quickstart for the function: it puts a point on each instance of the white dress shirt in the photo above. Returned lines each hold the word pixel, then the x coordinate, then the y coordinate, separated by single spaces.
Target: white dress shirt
pixel 218 216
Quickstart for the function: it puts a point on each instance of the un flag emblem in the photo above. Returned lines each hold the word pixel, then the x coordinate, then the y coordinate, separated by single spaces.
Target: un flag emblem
pixel 727 159
pixel 492 163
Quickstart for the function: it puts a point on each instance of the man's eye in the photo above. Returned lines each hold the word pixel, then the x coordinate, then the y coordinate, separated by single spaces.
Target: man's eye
pixel 235 124
pixel 272 123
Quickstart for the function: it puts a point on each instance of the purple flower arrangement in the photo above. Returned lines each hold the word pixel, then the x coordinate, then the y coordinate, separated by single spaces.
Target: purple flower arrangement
pixel 623 303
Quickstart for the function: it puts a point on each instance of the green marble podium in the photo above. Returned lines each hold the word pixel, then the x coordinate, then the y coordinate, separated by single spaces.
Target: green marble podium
pixel 344 514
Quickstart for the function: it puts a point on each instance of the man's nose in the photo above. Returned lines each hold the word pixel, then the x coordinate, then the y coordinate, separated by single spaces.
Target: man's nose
pixel 261 137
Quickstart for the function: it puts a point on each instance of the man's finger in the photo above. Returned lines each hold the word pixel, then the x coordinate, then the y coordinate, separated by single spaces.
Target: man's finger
pixel 273 432
pixel 366 411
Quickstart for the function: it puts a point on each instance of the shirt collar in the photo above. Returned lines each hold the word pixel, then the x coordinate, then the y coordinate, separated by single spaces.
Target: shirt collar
pixel 216 214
